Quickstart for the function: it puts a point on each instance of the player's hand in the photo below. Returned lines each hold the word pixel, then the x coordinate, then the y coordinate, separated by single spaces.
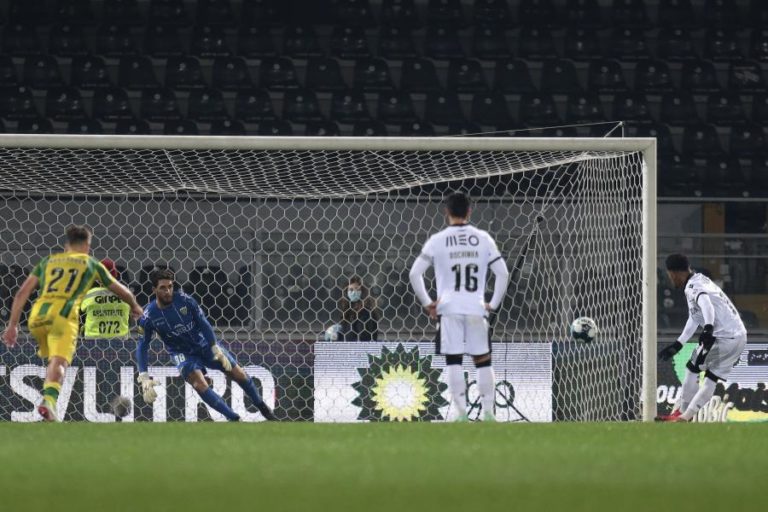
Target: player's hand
pixel 668 353
pixel 148 384
pixel 11 335
pixel 136 311
pixel 488 307
pixel 706 338
pixel 432 310
pixel 222 358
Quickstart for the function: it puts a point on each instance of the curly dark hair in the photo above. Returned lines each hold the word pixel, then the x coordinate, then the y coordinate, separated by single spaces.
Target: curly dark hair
pixel 159 274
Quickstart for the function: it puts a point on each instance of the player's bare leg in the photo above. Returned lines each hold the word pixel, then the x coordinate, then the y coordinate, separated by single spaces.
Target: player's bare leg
pixel 54 378
pixel 197 380
pixel 486 385
pixel 244 381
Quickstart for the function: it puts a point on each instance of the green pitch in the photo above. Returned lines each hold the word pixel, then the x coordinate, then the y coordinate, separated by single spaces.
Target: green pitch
pixel 382 467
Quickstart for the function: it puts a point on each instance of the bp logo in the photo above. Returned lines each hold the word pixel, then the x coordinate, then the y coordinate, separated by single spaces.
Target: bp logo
pixel 399 385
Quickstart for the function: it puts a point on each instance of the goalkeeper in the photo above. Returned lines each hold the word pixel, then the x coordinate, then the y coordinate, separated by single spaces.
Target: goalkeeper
pixel 181 325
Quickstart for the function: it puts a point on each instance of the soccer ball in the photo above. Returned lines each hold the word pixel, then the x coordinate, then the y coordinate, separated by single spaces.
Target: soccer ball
pixel 121 406
pixel 584 329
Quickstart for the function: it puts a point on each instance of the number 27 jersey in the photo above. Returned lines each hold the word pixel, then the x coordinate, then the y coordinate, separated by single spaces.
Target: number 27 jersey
pixel 461 255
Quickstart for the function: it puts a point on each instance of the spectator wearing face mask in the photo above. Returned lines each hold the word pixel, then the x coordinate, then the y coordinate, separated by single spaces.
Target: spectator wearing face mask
pixel 359 313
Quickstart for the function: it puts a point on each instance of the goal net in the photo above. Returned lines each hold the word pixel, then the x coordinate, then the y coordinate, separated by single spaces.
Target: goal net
pixel 266 234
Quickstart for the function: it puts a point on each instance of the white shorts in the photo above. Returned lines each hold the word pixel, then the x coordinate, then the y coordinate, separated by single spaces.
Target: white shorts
pixel 723 356
pixel 463 334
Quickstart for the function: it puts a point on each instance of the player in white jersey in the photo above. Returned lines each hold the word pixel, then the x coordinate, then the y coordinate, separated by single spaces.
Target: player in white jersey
pixel 721 341
pixel 462 255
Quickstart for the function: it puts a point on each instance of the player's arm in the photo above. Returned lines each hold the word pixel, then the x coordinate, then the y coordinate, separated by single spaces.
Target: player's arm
pixel 207 330
pixel 416 276
pixel 499 268
pixel 688 331
pixel 142 360
pixel 706 337
pixel 19 301
pixel 118 288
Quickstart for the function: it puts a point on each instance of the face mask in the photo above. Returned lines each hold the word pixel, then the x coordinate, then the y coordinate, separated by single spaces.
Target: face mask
pixel 354 295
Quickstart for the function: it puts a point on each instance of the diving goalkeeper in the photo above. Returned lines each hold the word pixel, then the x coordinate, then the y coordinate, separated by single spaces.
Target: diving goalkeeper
pixel 188 336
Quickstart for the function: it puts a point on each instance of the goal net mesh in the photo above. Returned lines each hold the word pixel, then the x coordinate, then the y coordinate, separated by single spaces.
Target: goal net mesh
pixel 267 241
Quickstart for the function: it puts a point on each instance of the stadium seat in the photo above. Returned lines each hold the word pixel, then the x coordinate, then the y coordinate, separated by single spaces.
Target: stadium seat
pixel 230 74
pixel 747 141
pixel 183 74
pixel 159 104
pixel 746 77
pixel 260 12
pixel 301 106
pixel 227 127
pixel 254 105
pixel 419 75
pixel 489 42
pixel 490 109
pixel 586 14
pixel 21 40
pixel 653 76
pixel 369 128
pixel 215 12
pixel 722 45
pixel 699 77
pixel 185 127
pixel 760 108
pixel 349 106
pixel 207 105
pixel 513 77
pixel 488 13
pixel 631 106
pixel 125 12
pixel 85 127
pixel 136 73
pixel 8 76
pixel 278 74
pixel 676 44
pixel 301 42
pixel 168 12
pixel 209 41
pixel 538 110
pixel 115 40
pixel 352 12
pixel 349 43
pixel 629 44
pixel 324 74
pixel 417 129
pixel 466 75
pixel 23 11
pixel 678 176
pixel 256 42
pixel 678 108
pixel 42 72
pixel 660 131
pixel 372 75
pixel 536 43
pixel 758 45
pixel 701 141
pixel 559 76
pixel 64 104
pixel 606 76
pixel 725 178
pixel 538 13
pixel 399 13
pixel 132 127
pixel 676 13
pixel 111 104
pixel 443 108
pixel 396 42
pixel 274 128
pixel 89 72
pixel 758 176
pixel 163 41
pixel 628 13
pixel 582 44
pixel 721 13
pixel 395 108
pixel 725 109
pixel 37 125
pixel 67 41
pixel 322 129
pixel 584 108
pixel 445 13
pixel 758 13
pixel 442 43
pixel 464 129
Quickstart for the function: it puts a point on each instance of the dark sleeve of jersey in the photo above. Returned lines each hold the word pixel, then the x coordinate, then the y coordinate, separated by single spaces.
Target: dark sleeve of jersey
pixel 202 321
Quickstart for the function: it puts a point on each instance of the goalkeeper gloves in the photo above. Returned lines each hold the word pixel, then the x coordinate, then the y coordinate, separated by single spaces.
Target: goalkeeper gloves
pixel 221 357
pixel 706 338
pixel 668 353
pixel 147 387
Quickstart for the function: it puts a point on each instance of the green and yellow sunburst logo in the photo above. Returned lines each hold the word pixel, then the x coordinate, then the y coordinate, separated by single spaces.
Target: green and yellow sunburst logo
pixel 399 385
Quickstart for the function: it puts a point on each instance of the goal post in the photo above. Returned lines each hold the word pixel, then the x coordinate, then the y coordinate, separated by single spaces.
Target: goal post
pixel 265 232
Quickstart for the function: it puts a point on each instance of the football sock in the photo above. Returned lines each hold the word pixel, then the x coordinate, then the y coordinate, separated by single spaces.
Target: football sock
pixel 486 386
pixel 690 387
pixel 457 388
pixel 250 389
pixel 51 392
pixel 704 395
pixel 210 397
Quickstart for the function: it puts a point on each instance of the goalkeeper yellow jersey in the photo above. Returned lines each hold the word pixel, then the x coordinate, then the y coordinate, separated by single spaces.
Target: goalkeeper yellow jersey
pixel 65 278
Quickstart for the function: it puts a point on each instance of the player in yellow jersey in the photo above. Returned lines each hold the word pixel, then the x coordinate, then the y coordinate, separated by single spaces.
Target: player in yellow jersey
pixel 63 279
